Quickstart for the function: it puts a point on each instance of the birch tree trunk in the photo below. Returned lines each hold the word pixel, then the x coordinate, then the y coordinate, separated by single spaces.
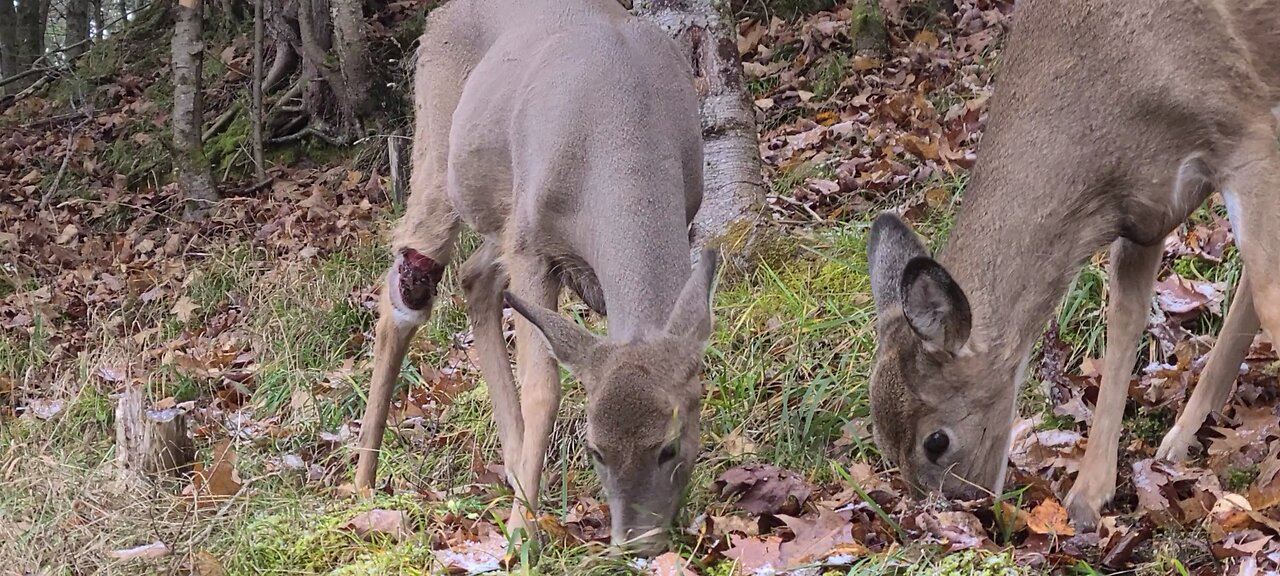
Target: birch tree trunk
pixel 733 196
pixel 188 111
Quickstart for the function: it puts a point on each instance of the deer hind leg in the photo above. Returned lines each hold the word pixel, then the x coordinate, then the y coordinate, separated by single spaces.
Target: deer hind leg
pixel 1252 192
pixel 1132 270
pixel 1219 373
pixel 539 376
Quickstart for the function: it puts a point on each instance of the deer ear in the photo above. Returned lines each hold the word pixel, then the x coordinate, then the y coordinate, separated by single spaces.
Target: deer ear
pixel 691 317
pixel 570 344
pixel 890 246
pixel 935 306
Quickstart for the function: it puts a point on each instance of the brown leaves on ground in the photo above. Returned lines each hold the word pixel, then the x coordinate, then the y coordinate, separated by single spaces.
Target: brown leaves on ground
pixel 764 488
pixel 390 524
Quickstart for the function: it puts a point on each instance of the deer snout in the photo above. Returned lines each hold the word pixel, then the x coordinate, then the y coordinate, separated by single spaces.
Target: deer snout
pixel 643 542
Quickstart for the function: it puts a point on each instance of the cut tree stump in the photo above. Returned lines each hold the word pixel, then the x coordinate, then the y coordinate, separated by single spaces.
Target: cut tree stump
pixel 151 444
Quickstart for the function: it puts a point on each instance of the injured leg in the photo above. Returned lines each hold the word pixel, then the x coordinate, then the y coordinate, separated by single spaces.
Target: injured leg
pixel 415 277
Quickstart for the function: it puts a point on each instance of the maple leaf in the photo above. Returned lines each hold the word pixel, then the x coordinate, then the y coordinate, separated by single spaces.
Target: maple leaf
pixel 184 308
pixel 1049 517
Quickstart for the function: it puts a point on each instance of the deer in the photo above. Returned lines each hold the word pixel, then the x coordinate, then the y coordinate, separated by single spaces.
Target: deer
pixel 566 134
pixel 1111 122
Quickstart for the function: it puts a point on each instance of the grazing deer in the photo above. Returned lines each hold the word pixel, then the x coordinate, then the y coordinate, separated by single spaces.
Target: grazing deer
pixel 566 133
pixel 1111 122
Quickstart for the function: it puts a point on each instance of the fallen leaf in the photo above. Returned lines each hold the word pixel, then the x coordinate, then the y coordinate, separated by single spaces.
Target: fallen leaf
pixel 184 308
pixel 145 552
pixel 670 564
pixel 393 524
pixel 764 488
pixel 1049 517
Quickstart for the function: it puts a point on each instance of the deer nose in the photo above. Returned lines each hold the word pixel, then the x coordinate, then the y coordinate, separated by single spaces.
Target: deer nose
pixel 643 542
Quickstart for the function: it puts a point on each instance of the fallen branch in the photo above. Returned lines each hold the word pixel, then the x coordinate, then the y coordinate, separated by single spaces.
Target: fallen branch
pixel 66 159
pixel 78 114
pixel 335 141
pixel 222 121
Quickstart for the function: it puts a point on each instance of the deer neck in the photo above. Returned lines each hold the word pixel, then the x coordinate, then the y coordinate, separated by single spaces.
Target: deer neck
pixel 1028 225
pixel 640 254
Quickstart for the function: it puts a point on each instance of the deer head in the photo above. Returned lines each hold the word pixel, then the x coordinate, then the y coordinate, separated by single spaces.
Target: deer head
pixel 643 404
pixel 940 406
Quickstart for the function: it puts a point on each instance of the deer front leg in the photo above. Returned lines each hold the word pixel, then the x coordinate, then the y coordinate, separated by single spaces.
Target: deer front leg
pixel 1132 270
pixel 1219 373
pixel 539 377
pixel 405 303
pixel 483 280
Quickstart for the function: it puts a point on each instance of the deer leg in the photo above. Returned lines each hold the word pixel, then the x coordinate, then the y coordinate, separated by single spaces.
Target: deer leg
pixel 539 377
pixel 1219 373
pixel 406 300
pixel 1252 194
pixel 1132 270
pixel 483 280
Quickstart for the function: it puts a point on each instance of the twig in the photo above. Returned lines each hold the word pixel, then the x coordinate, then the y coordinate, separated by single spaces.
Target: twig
pixel 24 74
pixel 85 113
pixel 393 158
pixel 66 159
pixel 222 121
pixel 334 141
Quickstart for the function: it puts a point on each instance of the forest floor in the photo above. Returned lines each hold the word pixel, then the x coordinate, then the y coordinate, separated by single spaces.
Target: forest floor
pixel 258 326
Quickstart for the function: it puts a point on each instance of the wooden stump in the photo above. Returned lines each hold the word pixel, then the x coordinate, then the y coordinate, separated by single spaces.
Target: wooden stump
pixel 151 444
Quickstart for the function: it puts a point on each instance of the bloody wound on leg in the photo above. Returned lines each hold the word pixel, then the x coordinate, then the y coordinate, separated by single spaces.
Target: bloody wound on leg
pixel 418 278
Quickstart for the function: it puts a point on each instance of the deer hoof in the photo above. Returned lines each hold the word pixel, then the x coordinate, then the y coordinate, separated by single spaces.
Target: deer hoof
pixel 1176 443
pixel 1084 508
pixel 417 277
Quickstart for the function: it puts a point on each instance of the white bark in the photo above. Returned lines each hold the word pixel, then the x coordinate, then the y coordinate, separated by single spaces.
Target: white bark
pixel 188 110
pixel 733 196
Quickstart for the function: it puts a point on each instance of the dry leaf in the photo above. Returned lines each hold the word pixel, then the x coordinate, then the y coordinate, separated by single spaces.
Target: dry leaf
pixel 1050 518
pixel 184 308
pixel 393 524
pixel 145 552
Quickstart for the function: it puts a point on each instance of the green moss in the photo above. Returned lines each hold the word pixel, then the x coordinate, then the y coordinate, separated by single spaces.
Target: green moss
pixel 224 150
pixel 1239 479
pixel 830 73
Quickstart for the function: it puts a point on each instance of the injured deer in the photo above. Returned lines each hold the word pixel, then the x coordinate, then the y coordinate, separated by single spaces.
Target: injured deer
pixel 1112 121
pixel 566 134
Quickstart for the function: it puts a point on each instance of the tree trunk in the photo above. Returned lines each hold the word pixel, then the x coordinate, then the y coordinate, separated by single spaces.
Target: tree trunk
pixel 9 44
pixel 733 194
pixel 150 445
pixel 259 168
pixel 353 57
pixel 99 20
pixel 188 57
pixel 77 27
pixel 30 20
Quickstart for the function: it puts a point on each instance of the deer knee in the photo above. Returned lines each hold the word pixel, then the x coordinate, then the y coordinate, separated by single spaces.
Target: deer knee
pixel 411 284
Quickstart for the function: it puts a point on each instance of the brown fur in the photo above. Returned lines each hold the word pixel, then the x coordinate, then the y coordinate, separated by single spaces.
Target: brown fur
pixel 566 133
pixel 1112 120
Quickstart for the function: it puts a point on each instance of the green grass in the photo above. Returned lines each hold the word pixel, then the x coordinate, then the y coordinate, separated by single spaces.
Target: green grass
pixel 787 369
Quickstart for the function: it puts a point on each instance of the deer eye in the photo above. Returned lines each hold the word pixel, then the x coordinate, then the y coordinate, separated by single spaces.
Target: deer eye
pixel 935 445
pixel 668 452
pixel 595 456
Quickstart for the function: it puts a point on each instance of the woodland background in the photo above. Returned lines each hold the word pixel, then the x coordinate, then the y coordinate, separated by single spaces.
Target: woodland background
pixel 180 240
